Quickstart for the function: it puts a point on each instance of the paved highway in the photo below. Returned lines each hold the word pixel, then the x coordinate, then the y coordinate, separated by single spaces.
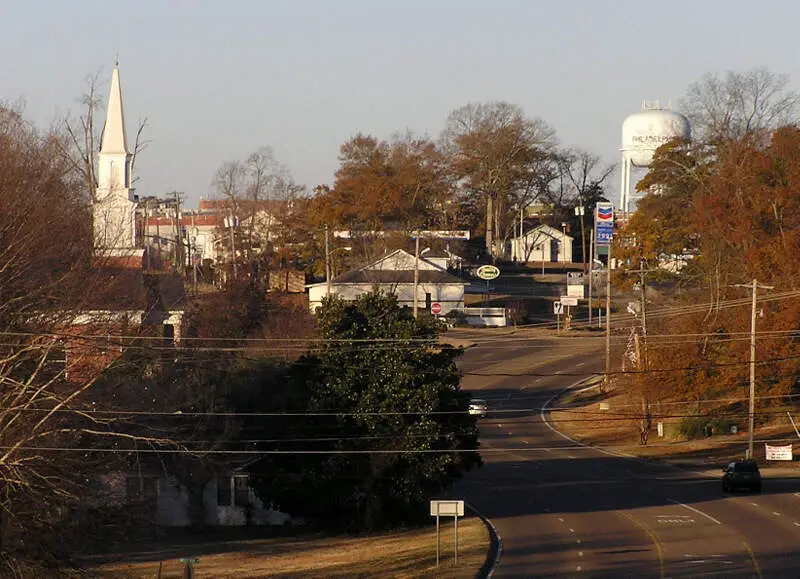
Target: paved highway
pixel 564 510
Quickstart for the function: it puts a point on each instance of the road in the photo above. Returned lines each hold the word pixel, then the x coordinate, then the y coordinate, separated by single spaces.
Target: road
pixel 565 510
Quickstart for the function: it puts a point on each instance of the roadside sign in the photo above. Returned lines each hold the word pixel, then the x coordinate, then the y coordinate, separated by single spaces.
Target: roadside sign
pixel 436 308
pixel 488 272
pixel 778 452
pixel 569 301
pixel 447 508
pixel 604 223
pixel 558 308
pixel 453 509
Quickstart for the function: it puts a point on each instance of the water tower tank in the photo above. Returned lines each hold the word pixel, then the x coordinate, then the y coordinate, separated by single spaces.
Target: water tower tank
pixel 647 130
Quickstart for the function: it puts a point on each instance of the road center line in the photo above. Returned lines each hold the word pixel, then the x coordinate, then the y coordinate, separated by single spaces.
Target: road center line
pixel 694 510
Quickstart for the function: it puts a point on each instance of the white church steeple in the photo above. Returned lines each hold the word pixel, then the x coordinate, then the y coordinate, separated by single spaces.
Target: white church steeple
pixel 114 205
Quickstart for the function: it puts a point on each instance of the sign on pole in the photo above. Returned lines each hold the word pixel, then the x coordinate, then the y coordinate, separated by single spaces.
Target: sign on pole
pixel 558 308
pixel 569 301
pixel 604 223
pixel 453 509
pixel 436 308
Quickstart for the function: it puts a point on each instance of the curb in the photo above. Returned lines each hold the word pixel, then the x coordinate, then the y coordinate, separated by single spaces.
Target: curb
pixel 495 546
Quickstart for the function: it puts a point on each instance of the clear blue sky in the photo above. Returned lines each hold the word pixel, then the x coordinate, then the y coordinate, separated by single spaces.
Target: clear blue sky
pixel 218 79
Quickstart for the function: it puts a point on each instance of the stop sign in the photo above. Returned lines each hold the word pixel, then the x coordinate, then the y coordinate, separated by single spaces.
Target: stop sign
pixel 436 308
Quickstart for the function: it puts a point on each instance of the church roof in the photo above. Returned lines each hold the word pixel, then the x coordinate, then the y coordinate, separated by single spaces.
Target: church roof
pixel 114 139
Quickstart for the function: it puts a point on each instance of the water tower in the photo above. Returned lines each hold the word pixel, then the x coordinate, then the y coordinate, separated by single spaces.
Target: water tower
pixel 642 134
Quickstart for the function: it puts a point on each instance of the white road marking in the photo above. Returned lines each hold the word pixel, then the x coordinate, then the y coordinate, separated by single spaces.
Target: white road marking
pixel 578 568
pixel 526 442
pixel 570 456
pixel 572 531
pixel 580 553
pixel 560 519
pixel 776 514
pixel 579 541
pixel 694 510
pixel 754 504
pixel 797 524
pixel 537 380
pixel 579 364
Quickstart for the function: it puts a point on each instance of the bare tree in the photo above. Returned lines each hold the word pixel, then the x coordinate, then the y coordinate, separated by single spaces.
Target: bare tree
pixel 586 175
pixel 498 153
pixel 739 103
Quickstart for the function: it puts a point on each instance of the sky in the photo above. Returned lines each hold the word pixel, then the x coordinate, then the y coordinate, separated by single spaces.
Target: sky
pixel 216 80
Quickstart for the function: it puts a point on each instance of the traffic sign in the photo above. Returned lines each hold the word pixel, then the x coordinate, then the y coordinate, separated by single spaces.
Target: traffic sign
pixel 436 308
pixel 569 301
pixel 558 308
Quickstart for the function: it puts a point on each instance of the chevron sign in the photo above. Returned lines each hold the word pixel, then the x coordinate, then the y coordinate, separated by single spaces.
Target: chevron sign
pixel 604 223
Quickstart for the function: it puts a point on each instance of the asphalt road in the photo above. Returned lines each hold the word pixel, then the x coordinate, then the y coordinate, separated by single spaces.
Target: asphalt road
pixel 565 510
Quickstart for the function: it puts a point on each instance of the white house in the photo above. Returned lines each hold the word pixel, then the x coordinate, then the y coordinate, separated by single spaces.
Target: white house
pixel 437 290
pixel 542 244
pixel 227 501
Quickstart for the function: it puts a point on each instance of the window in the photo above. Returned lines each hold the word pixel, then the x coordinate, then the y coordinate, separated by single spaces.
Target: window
pixel 224 492
pixel 241 490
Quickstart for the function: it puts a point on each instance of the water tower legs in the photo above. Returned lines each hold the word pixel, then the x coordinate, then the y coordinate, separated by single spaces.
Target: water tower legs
pixel 625 184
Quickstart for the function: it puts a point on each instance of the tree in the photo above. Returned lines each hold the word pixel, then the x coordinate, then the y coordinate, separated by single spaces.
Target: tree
pixel 260 199
pixel 387 425
pixel 69 411
pixel 731 211
pixel 587 177
pixel 729 107
pixel 497 153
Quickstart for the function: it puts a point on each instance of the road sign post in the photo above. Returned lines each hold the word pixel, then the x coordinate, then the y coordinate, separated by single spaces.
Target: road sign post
pixel 453 509
pixel 436 308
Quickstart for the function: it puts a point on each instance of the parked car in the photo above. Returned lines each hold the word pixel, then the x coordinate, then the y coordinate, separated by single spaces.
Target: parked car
pixel 478 407
pixel 741 474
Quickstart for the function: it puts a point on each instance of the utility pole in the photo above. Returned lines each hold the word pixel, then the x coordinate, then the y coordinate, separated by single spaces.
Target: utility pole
pixel 754 287
pixel 232 223
pixel 591 271
pixel 327 261
pixel 608 319
pixel 179 261
pixel 416 271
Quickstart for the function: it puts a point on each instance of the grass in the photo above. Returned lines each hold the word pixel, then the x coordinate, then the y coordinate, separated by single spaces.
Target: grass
pixel 405 554
pixel 579 414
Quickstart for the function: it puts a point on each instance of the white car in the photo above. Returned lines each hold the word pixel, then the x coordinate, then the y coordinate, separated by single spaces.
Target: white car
pixel 478 407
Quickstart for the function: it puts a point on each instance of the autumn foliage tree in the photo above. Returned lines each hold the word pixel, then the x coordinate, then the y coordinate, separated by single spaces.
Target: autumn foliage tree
pixel 733 212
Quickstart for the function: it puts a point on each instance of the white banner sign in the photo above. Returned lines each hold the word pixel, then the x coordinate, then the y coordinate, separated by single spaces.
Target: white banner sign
pixel 778 452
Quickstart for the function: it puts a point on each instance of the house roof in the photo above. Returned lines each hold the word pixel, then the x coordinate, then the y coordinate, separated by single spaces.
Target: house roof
pixel 372 273
pixel 388 276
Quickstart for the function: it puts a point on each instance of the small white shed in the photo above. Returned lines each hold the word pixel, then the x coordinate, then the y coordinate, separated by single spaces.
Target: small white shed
pixel 542 244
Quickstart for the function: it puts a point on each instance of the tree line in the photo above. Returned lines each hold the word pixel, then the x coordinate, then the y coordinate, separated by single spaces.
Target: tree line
pixel 720 211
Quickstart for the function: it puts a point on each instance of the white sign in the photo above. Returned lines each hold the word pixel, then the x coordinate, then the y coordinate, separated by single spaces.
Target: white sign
pixel 447 508
pixel 569 300
pixel 488 272
pixel 558 308
pixel 778 452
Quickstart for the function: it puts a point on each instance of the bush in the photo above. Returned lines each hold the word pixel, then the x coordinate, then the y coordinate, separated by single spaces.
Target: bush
pixel 694 427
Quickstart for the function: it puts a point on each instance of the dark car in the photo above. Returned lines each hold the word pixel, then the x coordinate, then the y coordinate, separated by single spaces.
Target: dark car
pixel 741 474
